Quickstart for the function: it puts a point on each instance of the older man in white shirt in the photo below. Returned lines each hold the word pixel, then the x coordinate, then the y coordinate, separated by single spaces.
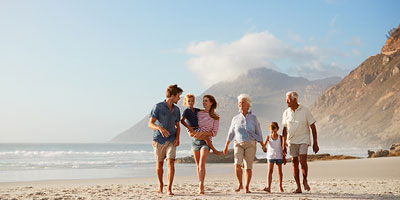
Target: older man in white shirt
pixel 297 121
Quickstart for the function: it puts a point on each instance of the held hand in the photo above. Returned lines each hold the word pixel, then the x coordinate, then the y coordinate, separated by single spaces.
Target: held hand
pixel 164 132
pixel 264 148
pixel 315 148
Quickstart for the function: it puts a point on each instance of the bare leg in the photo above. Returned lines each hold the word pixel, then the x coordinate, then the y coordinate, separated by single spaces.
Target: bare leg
pixel 270 171
pixel 202 168
pixel 280 176
pixel 304 170
pixel 295 163
pixel 159 170
pixel 171 173
pixel 196 155
pixel 239 175
pixel 249 173
pixel 209 143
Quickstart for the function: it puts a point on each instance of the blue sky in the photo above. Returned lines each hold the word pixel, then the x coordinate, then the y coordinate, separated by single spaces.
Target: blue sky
pixel 84 71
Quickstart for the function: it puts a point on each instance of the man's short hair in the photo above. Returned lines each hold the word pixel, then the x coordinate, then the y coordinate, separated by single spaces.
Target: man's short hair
pixel 173 90
pixel 293 95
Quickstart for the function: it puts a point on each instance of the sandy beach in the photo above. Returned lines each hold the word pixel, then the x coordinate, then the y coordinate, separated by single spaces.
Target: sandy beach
pixel 377 178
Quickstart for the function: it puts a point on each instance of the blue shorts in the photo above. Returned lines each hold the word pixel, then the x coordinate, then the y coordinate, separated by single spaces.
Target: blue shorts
pixel 198 144
pixel 277 161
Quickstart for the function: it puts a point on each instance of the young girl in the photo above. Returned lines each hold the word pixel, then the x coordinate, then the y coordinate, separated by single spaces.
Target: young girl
pixel 274 155
pixel 190 120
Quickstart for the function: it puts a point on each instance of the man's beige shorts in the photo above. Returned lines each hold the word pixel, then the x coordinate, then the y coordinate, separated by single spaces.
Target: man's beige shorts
pixel 162 151
pixel 246 151
pixel 298 149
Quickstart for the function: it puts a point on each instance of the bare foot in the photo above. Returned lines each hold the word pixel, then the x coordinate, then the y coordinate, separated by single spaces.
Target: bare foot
pixel 267 189
pixel 170 193
pixel 239 188
pixel 248 191
pixel 218 153
pixel 201 188
pixel 160 189
pixel 281 189
pixel 306 186
pixel 298 190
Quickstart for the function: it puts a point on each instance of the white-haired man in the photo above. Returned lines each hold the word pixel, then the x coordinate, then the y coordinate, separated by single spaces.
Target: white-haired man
pixel 297 121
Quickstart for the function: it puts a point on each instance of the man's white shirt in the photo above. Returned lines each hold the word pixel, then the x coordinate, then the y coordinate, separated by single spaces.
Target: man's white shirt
pixel 297 125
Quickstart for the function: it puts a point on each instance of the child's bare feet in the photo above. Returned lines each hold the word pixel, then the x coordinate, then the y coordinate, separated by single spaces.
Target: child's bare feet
pixel 267 189
pixel 239 188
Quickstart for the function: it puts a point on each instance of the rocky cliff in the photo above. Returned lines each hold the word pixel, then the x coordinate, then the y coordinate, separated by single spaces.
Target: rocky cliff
pixel 393 43
pixel 364 108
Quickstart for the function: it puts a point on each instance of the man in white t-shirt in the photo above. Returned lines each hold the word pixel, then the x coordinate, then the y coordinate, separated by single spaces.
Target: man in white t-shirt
pixel 296 122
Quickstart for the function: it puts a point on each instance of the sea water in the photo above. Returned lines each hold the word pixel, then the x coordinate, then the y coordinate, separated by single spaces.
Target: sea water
pixel 32 162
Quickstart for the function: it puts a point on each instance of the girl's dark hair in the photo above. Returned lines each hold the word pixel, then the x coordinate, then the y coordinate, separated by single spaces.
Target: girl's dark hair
pixel 213 106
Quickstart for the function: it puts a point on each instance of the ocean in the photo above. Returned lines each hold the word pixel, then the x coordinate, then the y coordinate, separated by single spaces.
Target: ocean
pixel 33 162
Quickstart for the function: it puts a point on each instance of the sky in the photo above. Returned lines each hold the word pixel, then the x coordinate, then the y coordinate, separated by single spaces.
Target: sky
pixel 85 71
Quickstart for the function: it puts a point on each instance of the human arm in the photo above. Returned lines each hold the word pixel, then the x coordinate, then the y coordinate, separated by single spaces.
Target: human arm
pixel 178 133
pixel 153 126
pixel 226 147
pixel 284 137
pixel 315 142
pixel 266 142
pixel 190 130
pixel 283 153
pixel 284 132
pixel 230 136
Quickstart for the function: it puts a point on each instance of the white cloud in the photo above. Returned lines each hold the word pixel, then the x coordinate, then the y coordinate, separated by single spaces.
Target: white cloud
pixel 213 62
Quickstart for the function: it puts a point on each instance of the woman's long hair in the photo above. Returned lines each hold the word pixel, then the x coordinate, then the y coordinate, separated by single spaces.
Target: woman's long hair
pixel 213 106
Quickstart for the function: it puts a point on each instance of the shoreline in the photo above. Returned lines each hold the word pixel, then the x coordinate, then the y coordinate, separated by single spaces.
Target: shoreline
pixel 377 178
